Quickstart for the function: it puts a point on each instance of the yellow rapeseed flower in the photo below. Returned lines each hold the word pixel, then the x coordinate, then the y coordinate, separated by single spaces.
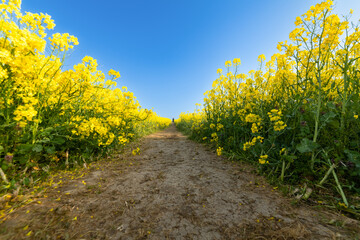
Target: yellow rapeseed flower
pixel 236 61
pixel 219 151
pixel 114 73
pixel 228 63
pixel 262 159
pixel 261 58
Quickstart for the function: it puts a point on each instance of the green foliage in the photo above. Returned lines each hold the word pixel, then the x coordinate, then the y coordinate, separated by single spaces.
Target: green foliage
pixel 296 117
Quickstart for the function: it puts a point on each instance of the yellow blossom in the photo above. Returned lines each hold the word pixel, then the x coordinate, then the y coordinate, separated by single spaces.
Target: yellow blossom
pixel 114 73
pixel 219 151
pixel 261 58
pixel 236 62
pixel 262 159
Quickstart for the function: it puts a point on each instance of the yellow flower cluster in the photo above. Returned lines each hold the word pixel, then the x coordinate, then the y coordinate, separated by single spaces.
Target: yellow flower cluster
pixel 314 80
pixel 255 127
pixel 275 116
pixel 279 125
pixel 253 118
pixel 219 151
pixel 214 137
pixel 136 151
pixel 251 143
pixel 313 73
pixel 50 109
pixel 228 63
pixel 261 58
pixel 63 42
pixel 263 159
pixel 114 73
pixel 236 61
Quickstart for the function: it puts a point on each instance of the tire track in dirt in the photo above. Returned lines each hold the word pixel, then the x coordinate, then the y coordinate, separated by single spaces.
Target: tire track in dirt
pixel 175 189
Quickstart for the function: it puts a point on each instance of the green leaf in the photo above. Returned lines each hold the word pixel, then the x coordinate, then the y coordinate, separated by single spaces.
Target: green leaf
pixel 26 181
pixel 24 148
pixel 8 125
pixel 37 148
pixel 335 124
pixel 58 140
pixel 4 166
pixel 50 150
pixel 331 106
pixel 352 155
pixel 328 116
pixel 22 160
pixel 289 158
pixel 306 146
pixel 1 149
pixel 46 131
pixel 44 140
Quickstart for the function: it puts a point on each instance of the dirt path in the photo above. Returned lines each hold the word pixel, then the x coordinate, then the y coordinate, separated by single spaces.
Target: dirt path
pixel 175 189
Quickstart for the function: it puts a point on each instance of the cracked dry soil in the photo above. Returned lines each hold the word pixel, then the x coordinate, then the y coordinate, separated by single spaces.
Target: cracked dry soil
pixel 175 189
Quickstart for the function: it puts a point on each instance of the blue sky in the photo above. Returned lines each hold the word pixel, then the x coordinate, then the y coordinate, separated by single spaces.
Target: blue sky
pixel 168 51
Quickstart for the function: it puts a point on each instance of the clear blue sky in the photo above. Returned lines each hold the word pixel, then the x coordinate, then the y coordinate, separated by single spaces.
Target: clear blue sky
pixel 168 51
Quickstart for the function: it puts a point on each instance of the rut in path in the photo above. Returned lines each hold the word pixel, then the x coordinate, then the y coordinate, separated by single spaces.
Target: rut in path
pixel 175 189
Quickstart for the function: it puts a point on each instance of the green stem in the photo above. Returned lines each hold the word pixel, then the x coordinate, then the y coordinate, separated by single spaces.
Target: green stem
pixel 282 171
pixel 344 103
pixel 327 174
pixel 340 188
pixel 317 120
pixel 34 132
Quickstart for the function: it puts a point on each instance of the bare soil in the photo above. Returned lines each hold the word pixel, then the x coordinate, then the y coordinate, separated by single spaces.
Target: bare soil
pixel 175 189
